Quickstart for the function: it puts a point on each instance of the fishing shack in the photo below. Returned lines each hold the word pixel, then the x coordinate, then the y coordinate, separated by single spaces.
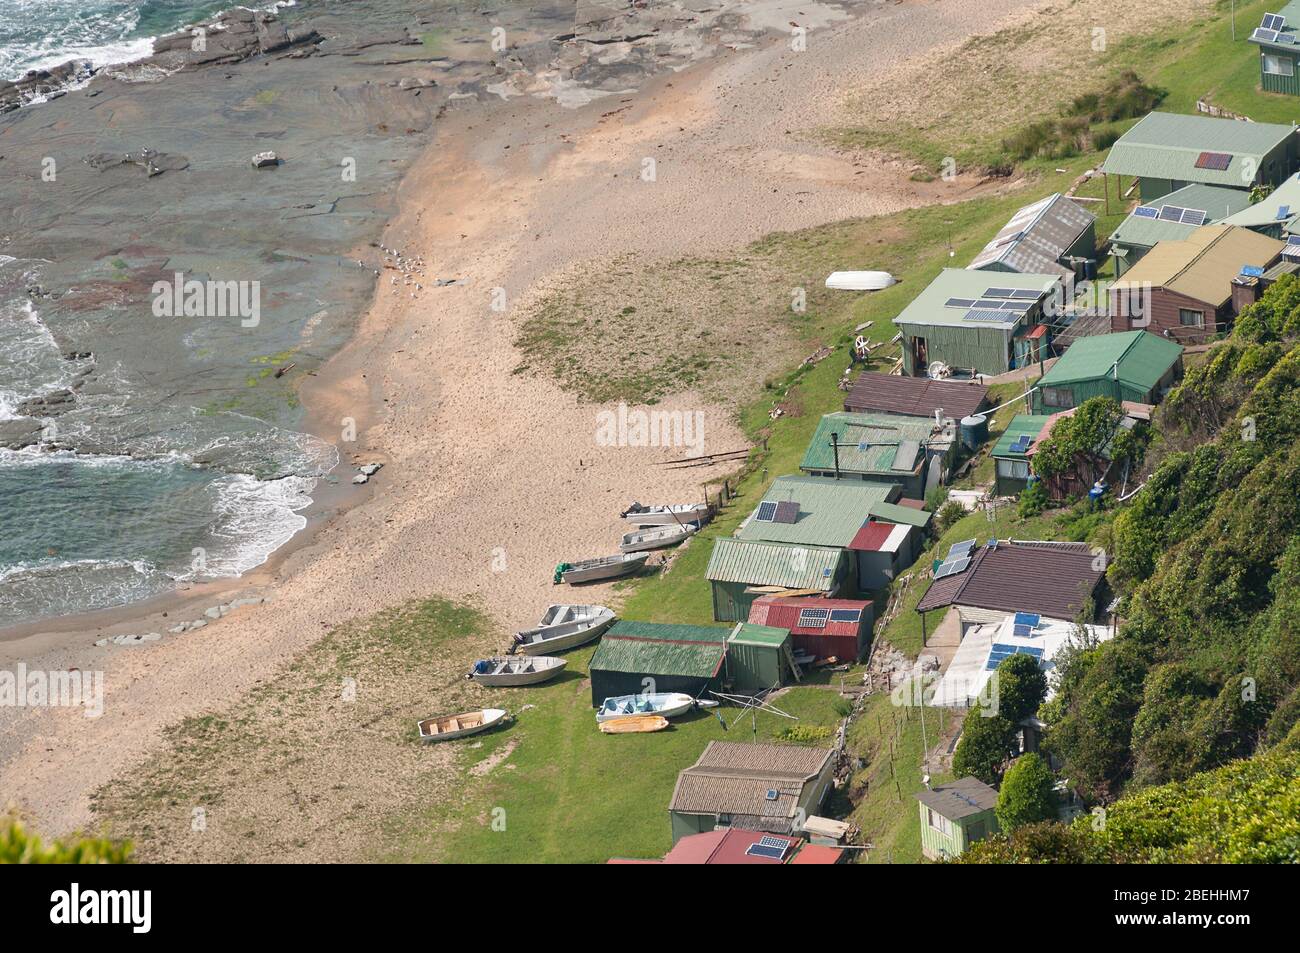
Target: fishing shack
pixel 635 657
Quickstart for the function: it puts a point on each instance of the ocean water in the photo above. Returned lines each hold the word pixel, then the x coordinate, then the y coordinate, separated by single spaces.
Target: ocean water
pixel 43 33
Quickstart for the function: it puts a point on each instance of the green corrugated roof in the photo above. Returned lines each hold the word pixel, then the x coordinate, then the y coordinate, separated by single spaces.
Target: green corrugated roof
pixel 1217 201
pixel 1288 37
pixel 1143 359
pixel 669 631
pixel 881 433
pixel 830 511
pixel 1166 146
pixel 659 657
pixel 757 563
pixel 930 308
pixel 1021 425
pixel 748 633
pixel 1265 212
pixel 906 515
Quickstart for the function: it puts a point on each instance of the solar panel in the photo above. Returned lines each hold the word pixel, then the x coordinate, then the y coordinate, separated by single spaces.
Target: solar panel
pixel 1019 307
pixel 999 292
pixel 760 850
pixel 1283 212
pixel 772 794
pixel 1021 444
pixel 1030 619
pixel 846 615
pixel 1252 271
pixel 1193 216
pixel 1171 213
pixel 1026 294
pixel 1263 35
pixel 976 314
pixel 1022 631
pixel 1273 21
pixel 766 510
pixel 952 567
pixel 787 511
pixel 961 549
pixel 1215 161
pixel 1002 651
pixel 960 302
pixel 1293 239
pixel 813 618
pixel 776 843
pixel 1146 211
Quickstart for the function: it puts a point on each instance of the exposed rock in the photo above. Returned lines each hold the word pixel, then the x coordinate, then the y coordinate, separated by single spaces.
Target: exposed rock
pixel 48 405
pixel 360 478
pixel 43 83
pixel 264 160
pixel 370 469
pixel 16 434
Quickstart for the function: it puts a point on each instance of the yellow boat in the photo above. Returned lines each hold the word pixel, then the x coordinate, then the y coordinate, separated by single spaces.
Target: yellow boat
pixel 634 723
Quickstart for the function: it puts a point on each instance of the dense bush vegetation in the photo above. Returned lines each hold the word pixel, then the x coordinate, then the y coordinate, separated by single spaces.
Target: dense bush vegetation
pixel 19 846
pixel 1028 794
pixel 1246 812
pixel 1082 126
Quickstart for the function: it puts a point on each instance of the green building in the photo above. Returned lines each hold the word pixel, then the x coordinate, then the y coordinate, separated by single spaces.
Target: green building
pixel 956 815
pixel 759 658
pixel 1166 151
pixel 976 321
pixel 1279 50
pixel 911 453
pixel 1129 365
pixel 1158 222
pixel 741 570
pixel 1275 214
pixel 1011 453
pixel 635 657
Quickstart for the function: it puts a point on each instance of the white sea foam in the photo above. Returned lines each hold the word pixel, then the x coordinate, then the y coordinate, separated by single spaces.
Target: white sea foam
pixel 254 518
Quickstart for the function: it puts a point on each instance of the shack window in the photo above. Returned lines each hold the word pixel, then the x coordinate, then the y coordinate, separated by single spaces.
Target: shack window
pixel 939 822
pixel 1191 319
pixel 1014 469
pixel 1058 396
pixel 1279 65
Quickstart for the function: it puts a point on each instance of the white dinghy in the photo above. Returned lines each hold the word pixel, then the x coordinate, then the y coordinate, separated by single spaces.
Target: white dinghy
pixel 605 567
pixel 656 537
pixel 557 637
pixel 514 671
pixel 860 280
pixel 669 515
pixel 664 704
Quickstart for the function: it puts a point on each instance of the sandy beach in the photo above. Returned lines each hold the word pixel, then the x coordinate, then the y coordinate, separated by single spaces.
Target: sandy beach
pixel 490 476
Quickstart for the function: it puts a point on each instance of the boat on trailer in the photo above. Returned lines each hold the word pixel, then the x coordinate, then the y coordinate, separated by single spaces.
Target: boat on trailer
pixel 447 727
pixel 668 515
pixel 513 671
pixel 582 627
pixel 656 537
pixel 605 567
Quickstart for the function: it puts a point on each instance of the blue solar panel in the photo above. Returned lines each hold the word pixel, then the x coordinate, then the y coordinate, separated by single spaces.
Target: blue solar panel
pixel 1145 211
pixel 957 550
pixel 1022 631
pixel 1283 212
pixel 1030 619
pixel 846 615
pixel 987 315
pixel 766 510
pixel 762 850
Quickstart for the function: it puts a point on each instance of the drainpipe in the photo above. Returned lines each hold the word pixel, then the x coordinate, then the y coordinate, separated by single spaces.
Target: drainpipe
pixel 835 446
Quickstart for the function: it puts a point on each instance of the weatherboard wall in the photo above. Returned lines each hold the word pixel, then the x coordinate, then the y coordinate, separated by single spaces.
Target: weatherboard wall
pixel 1278 82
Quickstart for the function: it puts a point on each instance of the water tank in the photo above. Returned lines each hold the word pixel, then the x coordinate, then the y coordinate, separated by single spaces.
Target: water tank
pixel 974 431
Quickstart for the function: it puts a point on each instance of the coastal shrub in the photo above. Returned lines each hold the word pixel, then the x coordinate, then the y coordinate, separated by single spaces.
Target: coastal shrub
pixel 987 743
pixel 1027 795
pixel 948 515
pixel 20 846
pixel 1033 500
pixel 1022 686
pixel 1082 125
pixel 807 734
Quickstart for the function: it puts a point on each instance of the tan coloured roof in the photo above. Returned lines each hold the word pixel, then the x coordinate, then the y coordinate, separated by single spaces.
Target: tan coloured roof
pixel 1202 265
pixel 734 778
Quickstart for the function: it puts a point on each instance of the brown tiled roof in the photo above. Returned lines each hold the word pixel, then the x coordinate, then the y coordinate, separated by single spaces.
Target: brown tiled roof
pixel 960 798
pixel 914 396
pixel 734 778
pixel 1048 578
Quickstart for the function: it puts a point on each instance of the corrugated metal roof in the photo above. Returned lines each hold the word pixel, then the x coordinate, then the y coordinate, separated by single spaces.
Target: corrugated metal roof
pixel 1036 237
pixel 914 396
pixel 830 510
pixel 658 657
pixel 668 631
pixel 751 633
pixel 1218 202
pixel 961 798
pixel 930 306
pixel 1142 359
pixel 902 513
pixel 1021 425
pixel 1167 146
pixel 880 537
pixel 1265 212
pixel 1202 266
pixel 868 443
pixel 760 563
pixel 1048 578
pixel 1288 36
pixel 785 612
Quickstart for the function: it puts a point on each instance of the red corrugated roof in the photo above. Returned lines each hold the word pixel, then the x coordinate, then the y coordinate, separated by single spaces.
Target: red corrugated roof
pixel 914 396
pixel 872 536
pixel 697 848
pixel 733 847
pixel 817 854
pixel 728 845
pixel 784 614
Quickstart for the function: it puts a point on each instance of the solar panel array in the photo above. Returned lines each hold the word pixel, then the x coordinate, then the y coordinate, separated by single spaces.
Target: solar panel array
pixel 1215 161
pixel 1030 619
pixel 1021 443
pixel 1146 211
pixel 1283 212
pixel 787 511
pixel 1176 213
pixel 768 846
pixel 813 618
pixel 766 511
pixel 1272 21
pixel 958 550
pixel 1002 650
pixel 952 567
pixel 988 315
pixel 846 615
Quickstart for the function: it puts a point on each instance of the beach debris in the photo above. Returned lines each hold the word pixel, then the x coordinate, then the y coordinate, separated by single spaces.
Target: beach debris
pixel 360 478
pixel 281 371
pixel 264 160
pixel 152 161
pixel 129 639
pixel 370 469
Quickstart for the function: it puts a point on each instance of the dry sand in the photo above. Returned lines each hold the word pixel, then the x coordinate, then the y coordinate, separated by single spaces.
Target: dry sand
pixel 485 466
